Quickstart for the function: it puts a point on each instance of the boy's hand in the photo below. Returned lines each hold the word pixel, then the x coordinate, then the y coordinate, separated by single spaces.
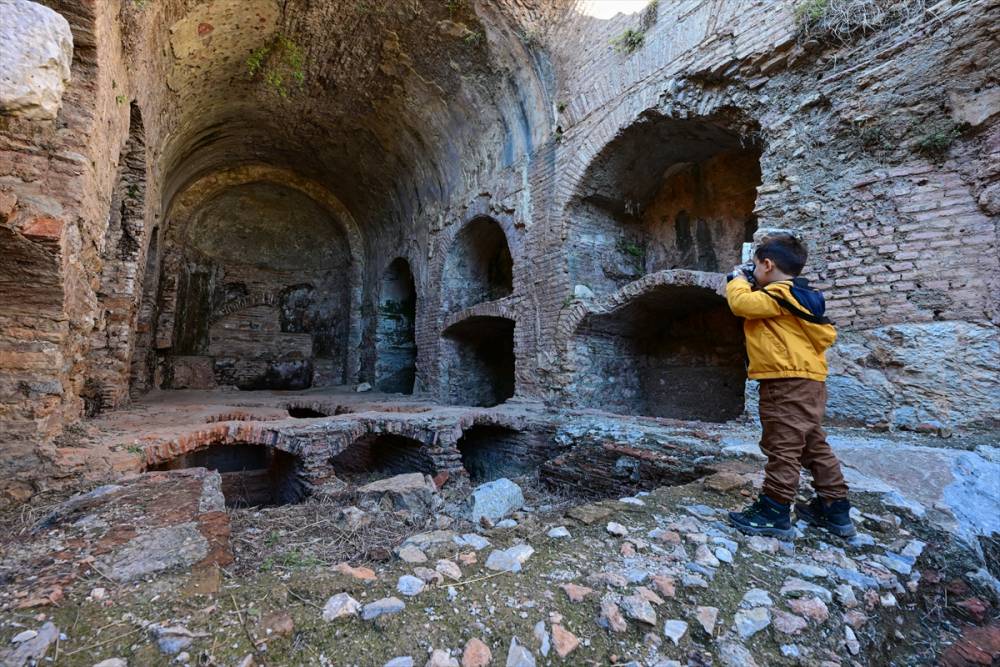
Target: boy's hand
pixel 737 272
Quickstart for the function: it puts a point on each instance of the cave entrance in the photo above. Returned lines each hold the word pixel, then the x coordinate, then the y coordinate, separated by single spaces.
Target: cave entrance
pixel 478 364
pixel 490 452
pixel 479 267
pixel 676 351
pixel 395 342
pixel 252 475
pixel 381 455
pixel 666 193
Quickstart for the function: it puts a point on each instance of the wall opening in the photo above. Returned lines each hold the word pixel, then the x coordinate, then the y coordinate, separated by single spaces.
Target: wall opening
pixel 142 369
pixel 252 475
pixel 675 351
pixel 381 455
pixel 478 361
pixel 304 413
pixel 666 194
pixel 479 267
pixel 395 341
pixel 490 452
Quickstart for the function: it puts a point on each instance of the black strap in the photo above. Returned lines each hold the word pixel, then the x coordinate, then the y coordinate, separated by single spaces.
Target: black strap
pixel 796 311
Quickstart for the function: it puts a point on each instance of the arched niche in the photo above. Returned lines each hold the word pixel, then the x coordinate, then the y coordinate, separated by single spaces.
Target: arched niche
pixel 395 342
pixel 478 267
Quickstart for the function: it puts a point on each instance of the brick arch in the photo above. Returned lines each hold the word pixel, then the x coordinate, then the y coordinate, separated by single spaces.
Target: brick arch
pixel 185 203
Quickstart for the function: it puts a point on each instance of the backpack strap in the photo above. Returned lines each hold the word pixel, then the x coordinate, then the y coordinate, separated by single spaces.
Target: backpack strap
pixel 796 311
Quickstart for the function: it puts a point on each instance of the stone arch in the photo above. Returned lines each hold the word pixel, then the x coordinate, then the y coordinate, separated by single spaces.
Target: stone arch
pixel 343 365
pixel 382 455
pixel 479 266
pixel 123 256
pixel 665 345
pixel 665 192
pixel 395 342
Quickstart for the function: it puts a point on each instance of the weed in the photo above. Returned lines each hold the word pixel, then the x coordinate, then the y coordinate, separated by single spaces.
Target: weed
pixel 530 37
pixel 938 140
pixel 473 38
pixel 561 107
pixel 558 134
pixel 650 14
pixel 843 19
pixel 272 538
pixel 132 191
pixel 135 449
pixel 120 99
pixel 629 41
pixel 281 63
pixel 296 558
pixel 874 140
pixel 568 301
pixel 810 11
pixel 631 248
pixel 454 6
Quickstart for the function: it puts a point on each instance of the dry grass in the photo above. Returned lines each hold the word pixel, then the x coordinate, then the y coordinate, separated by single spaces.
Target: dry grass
pixel 841 20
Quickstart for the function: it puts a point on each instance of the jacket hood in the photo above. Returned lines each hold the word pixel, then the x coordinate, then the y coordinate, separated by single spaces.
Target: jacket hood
pixel 810 299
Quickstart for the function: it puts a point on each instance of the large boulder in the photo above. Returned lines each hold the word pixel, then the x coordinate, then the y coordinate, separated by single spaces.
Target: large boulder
pixel 414 492
pixel 495 500
pixel 34 60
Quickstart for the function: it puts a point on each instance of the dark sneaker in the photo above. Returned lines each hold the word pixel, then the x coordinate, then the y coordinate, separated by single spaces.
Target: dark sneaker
pixel 834 516
pixel 764 517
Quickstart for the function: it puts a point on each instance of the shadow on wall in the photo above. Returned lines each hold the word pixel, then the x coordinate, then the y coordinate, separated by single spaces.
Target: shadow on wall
pixel 395 343
pixel 478 361
pixel 479 267
pixel 384 455
pixel 490 451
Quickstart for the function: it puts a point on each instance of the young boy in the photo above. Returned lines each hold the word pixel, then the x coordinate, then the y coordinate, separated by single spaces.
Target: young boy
pixel 787 337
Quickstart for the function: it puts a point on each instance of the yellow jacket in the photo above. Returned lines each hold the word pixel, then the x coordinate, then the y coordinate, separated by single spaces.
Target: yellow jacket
pixel 779 344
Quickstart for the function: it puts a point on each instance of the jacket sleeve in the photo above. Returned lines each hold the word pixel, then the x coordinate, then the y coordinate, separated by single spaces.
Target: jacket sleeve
pixel 744 302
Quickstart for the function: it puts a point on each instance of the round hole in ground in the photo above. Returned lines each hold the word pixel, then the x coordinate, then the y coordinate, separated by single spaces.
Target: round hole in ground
pixel 252 475
pixel 374 457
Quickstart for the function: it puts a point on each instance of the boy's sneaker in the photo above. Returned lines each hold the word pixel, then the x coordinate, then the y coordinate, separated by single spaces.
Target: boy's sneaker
pixel 764 517
pixel 835 516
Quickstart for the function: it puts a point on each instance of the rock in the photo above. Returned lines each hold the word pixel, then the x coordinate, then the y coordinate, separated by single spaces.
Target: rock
pixel 582 292
pixel 157 549
pixel 733 654
pixel 707 616
pixel 24 636
pixel 449 569
pixel 473 540
pixel 887 600
pixel 359 573
pixel 611 617
pixel 98 594
pixel 401 661
pixel 786 623
pixel 704 557
pixel 674 630
pixel 665 536
pixel 409 585
pixel 693 581
pixel 807 571
pixel 413 492
pixel 576 593
pixel 495 500
pixel 639 609
pixel 637 502
pixel 468 558
pixel 724 555
pixel 589 514
pixel 914 548
pixel 846 597
pixel 794 587
pixel 509 560
pixel 340 605
pixel 112 662
pixel 476 654
pixel 852 641
pixel 812 608
pixel 519 656
pixel 558 532
pixel 542 637
pixel 411 554
pixel 756 597
pixel 564 641
pixel 617 529
pixel 363 387
pixel 790 651
pixel 35 60
pixel 352 518
pixel 391 605
pixel 764 545
pixel 441 658
pixel 506 523
pixel 724 481
pixel 428 575
pixel 750 622
pixel 897 563
pixel 649 595
pixel 665 585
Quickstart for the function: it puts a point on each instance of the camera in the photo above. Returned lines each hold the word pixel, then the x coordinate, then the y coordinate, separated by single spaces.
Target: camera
pixel 746 269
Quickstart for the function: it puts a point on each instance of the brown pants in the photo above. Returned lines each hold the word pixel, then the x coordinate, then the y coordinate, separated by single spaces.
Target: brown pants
pixel 791 414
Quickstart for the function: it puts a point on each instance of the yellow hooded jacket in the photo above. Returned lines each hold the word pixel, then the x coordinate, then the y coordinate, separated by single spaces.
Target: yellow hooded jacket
pixel 779 344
